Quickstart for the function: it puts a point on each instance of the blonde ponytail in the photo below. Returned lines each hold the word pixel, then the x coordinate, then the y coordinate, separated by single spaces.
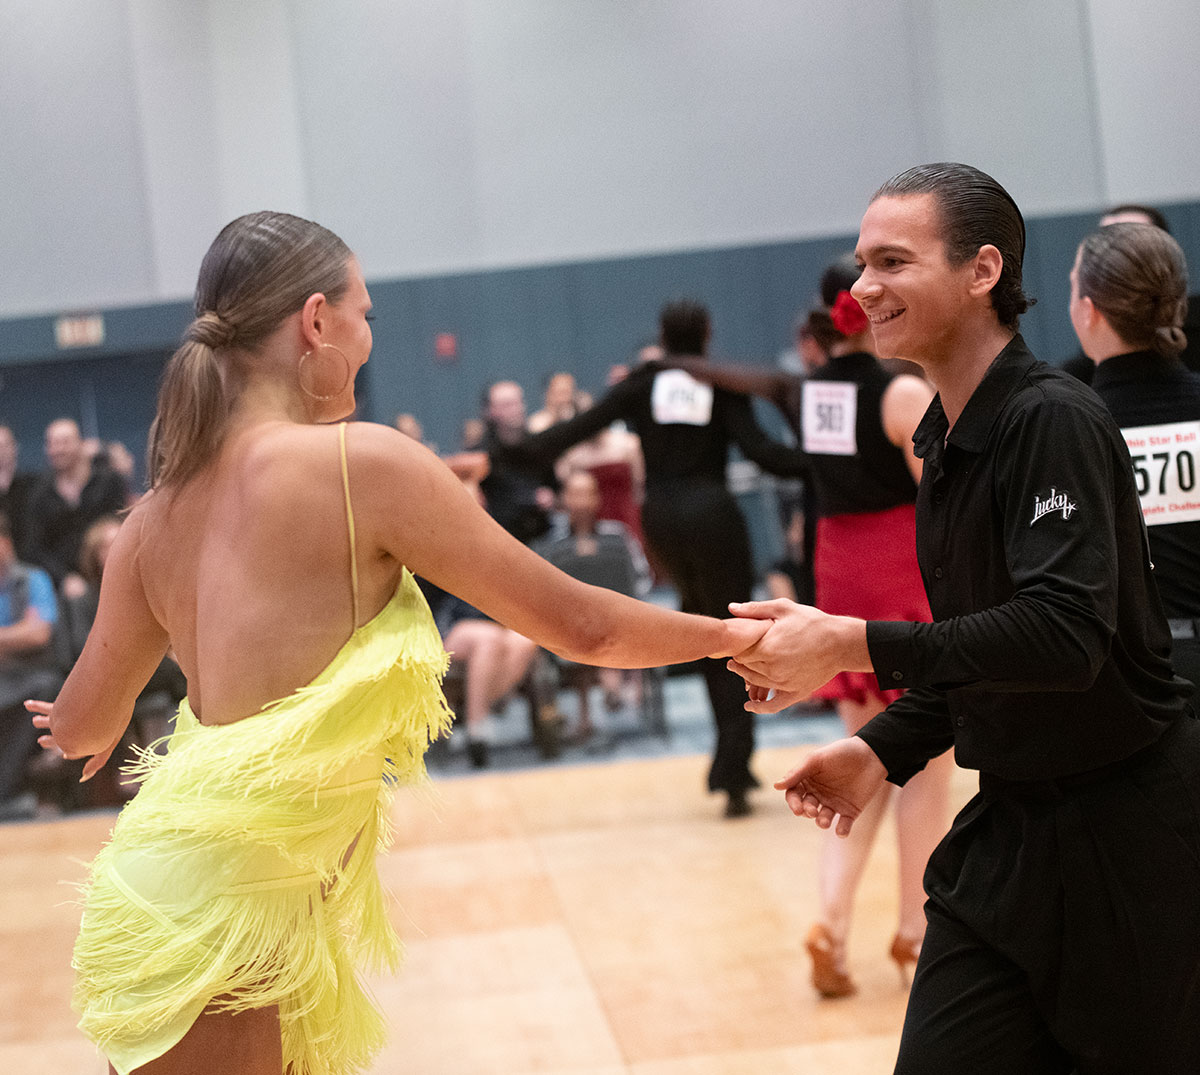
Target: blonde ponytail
pixel 189 425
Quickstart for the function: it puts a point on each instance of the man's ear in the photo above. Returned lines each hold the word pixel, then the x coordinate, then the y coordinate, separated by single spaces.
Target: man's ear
pixel 986 269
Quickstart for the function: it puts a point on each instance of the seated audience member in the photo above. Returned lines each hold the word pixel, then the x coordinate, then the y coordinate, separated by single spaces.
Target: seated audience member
pixel 409 425
pixel 472 433
pixel 79 612
pixel 519 491
pixel 15 487
pixel 598 551
pixel 65 501
pixel 561 401
pixel 614 458
pixel 155 704
pixel 120 460
pixel 28 613
pixel 492 658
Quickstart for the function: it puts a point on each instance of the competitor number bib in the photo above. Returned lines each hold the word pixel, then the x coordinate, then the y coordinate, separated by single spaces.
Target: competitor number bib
pixel 1164 464
pixel 829 413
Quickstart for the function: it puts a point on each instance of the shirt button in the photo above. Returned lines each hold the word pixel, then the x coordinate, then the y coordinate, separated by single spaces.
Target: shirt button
pixel 937 572
pixel 960 721
pixel 939 497
pixel 897 676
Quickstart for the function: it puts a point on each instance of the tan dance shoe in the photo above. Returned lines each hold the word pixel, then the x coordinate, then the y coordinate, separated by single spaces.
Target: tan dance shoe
pixel 905 952
pixel 829 977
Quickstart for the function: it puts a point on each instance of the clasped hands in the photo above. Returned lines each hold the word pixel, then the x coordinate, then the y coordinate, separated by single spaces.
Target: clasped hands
pixel 801 650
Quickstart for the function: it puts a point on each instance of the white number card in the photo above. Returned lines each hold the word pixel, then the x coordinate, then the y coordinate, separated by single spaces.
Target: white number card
pixel 1164 464
pixel 829 415
pixel 679 399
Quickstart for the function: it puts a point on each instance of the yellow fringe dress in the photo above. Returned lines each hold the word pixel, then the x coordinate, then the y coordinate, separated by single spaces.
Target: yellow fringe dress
pixel 229 881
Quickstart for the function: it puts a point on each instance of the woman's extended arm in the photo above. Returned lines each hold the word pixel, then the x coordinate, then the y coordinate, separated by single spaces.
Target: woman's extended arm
pixel 454 544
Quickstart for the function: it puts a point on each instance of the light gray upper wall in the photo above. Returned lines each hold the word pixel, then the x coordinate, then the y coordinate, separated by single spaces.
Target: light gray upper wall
pixel 465 134
pixel 1148 98
pixel 173 76
pixel 75 229
pixel 1009 89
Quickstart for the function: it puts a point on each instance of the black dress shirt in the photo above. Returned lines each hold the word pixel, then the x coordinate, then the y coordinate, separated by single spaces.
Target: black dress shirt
pixel 1147 389
pixel 1049 654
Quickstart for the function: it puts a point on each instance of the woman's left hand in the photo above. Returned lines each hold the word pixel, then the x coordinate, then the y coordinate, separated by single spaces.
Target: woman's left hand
pixel 41 719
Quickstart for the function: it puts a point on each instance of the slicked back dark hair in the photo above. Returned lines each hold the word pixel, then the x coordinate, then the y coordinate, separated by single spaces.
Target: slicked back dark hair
pixel 974 211
pixel 683 327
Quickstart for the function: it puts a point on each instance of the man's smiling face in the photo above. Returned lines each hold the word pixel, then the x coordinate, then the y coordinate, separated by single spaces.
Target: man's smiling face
pixel 912 294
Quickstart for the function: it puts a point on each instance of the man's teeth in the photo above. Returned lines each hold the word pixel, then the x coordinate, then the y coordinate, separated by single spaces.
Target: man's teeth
pixel 879 319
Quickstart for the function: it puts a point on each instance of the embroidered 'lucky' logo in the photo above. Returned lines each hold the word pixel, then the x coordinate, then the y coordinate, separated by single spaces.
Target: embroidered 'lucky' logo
pixel 1055 502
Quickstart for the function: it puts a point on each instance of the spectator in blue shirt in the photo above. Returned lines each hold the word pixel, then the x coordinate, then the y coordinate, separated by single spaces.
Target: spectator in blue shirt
pixel 28 613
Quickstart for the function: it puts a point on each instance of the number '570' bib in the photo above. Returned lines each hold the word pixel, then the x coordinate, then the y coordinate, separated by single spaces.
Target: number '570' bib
pixel 1164 464
pixel 829 413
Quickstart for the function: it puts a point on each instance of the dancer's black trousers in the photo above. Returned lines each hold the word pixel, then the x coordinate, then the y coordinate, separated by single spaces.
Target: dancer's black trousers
pixel 1064 926
pixel 697 532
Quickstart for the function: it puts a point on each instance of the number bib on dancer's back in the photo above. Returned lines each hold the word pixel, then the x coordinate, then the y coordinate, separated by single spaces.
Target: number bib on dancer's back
pixel 1164 464
pixel 829 413
pixel 679 399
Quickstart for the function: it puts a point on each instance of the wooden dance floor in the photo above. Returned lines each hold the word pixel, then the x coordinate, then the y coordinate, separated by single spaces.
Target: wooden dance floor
pixel 595 920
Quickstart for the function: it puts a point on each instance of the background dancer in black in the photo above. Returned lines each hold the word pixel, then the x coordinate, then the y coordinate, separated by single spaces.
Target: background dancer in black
pixel 691 521
pixel 1128 304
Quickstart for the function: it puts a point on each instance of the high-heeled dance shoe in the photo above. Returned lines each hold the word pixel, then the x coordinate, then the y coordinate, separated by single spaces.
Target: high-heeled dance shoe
pixel 829 977
pixel 904 953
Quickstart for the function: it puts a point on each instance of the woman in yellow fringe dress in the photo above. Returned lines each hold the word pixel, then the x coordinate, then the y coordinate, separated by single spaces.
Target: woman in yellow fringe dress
pixel 227 919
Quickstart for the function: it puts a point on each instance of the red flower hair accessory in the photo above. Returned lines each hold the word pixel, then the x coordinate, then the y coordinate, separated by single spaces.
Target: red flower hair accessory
pixel 847 316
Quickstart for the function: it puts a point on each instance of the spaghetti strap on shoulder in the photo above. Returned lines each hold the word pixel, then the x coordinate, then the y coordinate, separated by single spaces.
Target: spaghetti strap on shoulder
pixel 349 521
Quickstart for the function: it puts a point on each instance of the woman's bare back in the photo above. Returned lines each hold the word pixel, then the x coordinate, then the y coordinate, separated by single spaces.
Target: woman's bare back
pixel 247 567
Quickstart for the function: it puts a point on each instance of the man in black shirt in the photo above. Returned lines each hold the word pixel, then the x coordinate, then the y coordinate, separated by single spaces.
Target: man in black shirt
pixel 1063 918
pixel 67 499
pixel 519 491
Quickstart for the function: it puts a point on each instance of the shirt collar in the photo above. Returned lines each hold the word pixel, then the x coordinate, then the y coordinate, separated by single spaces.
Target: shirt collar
pixel 1122 369
pixel 971 430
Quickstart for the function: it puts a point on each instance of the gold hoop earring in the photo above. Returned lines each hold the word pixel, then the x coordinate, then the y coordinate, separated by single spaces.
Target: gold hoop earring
pixel 308 391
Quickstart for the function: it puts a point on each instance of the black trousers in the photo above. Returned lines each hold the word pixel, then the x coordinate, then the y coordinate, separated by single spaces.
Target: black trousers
pixel 699 536
pixel 1064 926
